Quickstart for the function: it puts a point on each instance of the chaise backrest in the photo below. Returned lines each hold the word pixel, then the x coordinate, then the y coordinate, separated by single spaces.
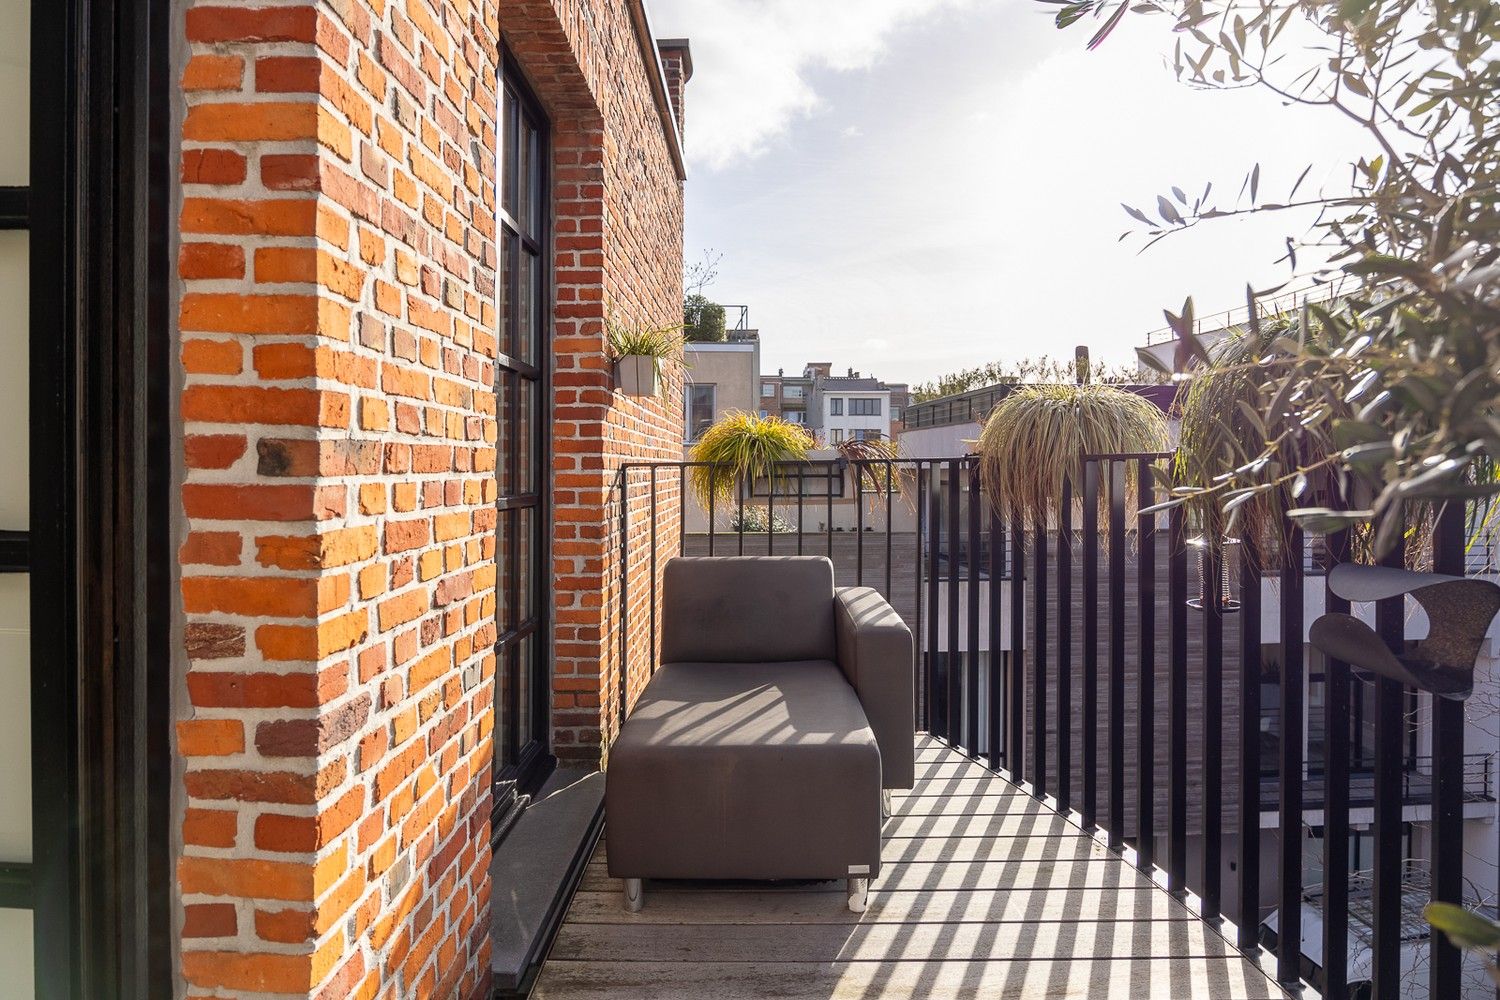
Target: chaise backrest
pixel 747 609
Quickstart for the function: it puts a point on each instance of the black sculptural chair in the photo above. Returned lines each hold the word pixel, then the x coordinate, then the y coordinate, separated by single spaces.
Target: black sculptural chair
pixel 1459 611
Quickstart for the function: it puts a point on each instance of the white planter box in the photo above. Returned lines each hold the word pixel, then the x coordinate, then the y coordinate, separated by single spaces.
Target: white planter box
pixel 636 375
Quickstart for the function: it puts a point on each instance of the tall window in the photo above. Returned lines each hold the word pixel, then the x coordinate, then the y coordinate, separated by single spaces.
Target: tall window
pixel 768 390
pixel 700 410
pixel 835 407
pixel 869 407
pixel 522 693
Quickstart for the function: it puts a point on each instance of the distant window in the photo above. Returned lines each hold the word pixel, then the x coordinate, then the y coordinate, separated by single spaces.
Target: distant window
pixel 768 390
pixel 792 392
pixel 864 407
pixel 764 414
pixel 895 413
pixel 795 416
pixel 838 435
pixel 867 434
pixel 700 410
pixel 835 407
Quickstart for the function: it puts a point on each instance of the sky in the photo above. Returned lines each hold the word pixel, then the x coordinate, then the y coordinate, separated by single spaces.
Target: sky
pixel 911 187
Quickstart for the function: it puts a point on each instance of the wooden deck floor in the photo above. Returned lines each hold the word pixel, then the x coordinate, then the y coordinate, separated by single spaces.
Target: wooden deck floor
pixel 985 892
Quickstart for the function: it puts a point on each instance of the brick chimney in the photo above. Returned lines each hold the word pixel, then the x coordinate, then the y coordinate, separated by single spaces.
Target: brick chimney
pixel 677 62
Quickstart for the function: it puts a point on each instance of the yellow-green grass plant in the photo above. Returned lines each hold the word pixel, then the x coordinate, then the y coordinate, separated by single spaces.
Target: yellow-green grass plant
pixel 741 448
pixel 1039 433
pixel 663 345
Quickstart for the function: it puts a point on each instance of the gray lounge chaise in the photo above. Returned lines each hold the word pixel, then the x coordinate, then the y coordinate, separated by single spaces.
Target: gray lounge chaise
pixel 765 745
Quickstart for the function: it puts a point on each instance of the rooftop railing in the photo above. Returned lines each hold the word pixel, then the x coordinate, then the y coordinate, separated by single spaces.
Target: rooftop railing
pixel 1110 670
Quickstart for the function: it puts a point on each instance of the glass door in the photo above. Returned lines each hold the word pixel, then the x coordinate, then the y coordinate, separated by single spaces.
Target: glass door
pixel 522 653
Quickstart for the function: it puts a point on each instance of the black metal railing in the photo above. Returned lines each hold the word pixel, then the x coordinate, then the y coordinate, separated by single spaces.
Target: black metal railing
pixel 1106 665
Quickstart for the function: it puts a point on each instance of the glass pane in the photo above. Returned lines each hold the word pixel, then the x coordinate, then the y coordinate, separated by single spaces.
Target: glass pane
pixel 525 155
pixel 525 571
pixel 533 177
pixel 508 153
pixel 509 247
pixel 525 681
pixel 505 561
pixel 505 685
pixel 15 718
pixel 505 431
pixel 525 437
pixel 15 92
pixel 15 501
pixel 524 347
pixel 17 954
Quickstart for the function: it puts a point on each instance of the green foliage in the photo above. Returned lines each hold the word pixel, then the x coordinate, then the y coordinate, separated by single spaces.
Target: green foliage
pixel 1044 370
pixel 754 518
pixel 1394 379
pixel 1038 433
pixel 703 320
pixel 742 448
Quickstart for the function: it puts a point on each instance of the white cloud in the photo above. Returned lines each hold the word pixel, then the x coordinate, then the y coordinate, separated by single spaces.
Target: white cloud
pixel 851 132
pixel 754 59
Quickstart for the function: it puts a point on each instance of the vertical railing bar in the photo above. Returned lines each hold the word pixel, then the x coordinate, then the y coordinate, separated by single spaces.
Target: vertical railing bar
pixel 1390 623
pixel 771 482
pixel 1090 707
pixel 972 610
pixel 1116 830
pixel 859 523
pixel 712 513
pixel 939 725
pixel 1038 760
pixel 1248 862
pixel 1336 800
pixel 1212 588
pixel 997 672
pixel 890 495
pixel 740 514
pixel 1177 701
pixel 801 503
pixel 1016 693
pixel 1065 648
pixel 1146 668
pixel 1289 777
pixel 923 665
pixel 655 584
pixel 681 508
pixel 955 663
pixel 1447 774
pixel 833 468
pixel 622 687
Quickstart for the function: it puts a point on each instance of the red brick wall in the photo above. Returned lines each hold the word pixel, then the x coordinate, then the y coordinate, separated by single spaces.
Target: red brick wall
pixel 337 309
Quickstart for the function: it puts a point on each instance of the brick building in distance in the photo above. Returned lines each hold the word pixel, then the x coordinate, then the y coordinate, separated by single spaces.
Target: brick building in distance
pixel 326 599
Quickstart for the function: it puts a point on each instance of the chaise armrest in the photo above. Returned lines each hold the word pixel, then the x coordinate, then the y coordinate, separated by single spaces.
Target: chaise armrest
pixel 875 654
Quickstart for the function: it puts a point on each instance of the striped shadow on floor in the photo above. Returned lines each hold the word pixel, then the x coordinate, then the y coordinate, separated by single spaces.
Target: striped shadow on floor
pixel 984 892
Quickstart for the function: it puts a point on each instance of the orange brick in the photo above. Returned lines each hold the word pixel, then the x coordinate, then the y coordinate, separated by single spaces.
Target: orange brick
pixel 229 313
pixel 285 926
pixel 212 166
pixel 210 737
pixel 211 260
pixel 270 217
pixel 270 121
pixel 211 548
pixel 209 827
pixel 211 72
pixel 213 451
pixel 212 357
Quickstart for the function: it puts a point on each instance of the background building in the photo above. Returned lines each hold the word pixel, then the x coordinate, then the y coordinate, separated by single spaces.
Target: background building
pixel 721 378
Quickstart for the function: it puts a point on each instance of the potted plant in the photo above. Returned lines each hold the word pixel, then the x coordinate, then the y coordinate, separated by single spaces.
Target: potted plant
pixel 1038 434
pixel 642 357
pixel 742 448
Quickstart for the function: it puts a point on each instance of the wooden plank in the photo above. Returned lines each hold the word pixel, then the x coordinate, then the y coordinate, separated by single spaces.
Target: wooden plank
pixel 970 805
pixel 773 906
pixel 968 942
pixel 1063 979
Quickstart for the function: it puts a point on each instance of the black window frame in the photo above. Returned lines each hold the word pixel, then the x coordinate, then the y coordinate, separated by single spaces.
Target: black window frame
pixel 864 406
pixel 836 407
pixel 688 404
pixel 522 766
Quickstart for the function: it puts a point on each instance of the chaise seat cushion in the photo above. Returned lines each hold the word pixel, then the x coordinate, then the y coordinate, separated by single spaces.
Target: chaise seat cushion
pixel 744 771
